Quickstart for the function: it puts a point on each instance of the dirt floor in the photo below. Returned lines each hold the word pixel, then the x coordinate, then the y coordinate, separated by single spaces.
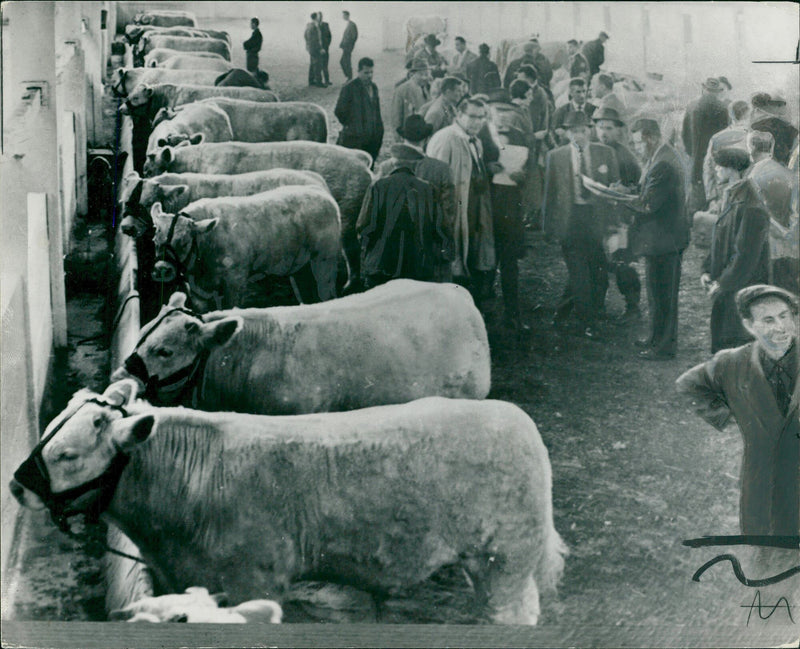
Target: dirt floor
pixel 634 471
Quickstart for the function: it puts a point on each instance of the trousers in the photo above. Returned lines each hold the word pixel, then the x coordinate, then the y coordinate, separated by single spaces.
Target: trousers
pixel 346 63
pixel 663 277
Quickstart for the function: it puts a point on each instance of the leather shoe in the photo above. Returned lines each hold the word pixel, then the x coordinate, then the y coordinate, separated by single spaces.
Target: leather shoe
pixel 653 355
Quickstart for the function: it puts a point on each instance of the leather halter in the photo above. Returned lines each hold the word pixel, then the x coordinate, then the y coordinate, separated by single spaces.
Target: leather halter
pixel 170 255
pixel 183 381
pixel 62 505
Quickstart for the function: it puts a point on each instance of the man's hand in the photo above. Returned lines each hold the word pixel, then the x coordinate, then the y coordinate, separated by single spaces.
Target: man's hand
pixel 560 132
pixel 713 289
pixel 705 281
pixel 517 176
pixel 494 167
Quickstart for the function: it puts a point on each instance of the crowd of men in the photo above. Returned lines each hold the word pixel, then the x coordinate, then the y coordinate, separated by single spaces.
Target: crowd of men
pixel 464 114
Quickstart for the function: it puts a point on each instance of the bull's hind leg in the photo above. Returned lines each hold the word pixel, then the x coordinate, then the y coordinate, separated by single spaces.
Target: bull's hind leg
pixel 514 599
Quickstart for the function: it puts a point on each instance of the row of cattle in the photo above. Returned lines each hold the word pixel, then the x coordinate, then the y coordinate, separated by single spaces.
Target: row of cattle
pixel 342 451
pixel 279 201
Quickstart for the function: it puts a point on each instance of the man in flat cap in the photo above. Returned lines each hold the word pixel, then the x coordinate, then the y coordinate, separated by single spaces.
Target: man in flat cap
pixel 411 95
pixel 578 224
pixel 739 254
pixel 659 233
pixel 595 53
pixel 757 385
pixel 703 118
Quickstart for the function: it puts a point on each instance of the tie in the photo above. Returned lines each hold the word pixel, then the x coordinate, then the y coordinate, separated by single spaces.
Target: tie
pixel 582 171
pixel 476 155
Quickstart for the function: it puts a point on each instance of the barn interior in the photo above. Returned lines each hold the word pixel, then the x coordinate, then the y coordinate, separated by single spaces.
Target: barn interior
pixel 71 310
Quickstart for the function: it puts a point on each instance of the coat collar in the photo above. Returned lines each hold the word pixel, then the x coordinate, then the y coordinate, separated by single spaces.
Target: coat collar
pixel 761 391
pixel 406 152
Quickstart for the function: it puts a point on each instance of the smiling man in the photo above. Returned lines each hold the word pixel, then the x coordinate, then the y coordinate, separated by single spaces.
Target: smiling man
pixel 757 384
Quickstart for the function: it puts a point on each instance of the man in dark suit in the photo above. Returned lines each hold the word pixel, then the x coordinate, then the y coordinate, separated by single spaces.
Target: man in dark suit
pixel 314 48
pixel 482 72
pixel 577 103
pixel 595 53
pixel 704 117
pixel 660 232
pixel 757 385
pixel 349 38
pixel 325 40
pixel 532 56
pixel 252 46
pixel 571 217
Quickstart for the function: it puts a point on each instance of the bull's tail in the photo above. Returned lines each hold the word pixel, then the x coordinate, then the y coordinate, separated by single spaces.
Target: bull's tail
pixel 550 567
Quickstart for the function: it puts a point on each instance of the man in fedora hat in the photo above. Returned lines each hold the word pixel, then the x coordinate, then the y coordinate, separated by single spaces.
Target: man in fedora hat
pixel 410 153
pixel 609 127
pixel 595 53
pixel 411 95
pixel 403 229
pixel 435 61
pixel 578 224
pixel 359 111
pixel 739 254
pixel 703 118
pixel 659 233
pixel 756 385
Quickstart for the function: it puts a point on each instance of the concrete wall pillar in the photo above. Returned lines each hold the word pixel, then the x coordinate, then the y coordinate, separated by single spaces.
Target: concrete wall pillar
pixel 96 43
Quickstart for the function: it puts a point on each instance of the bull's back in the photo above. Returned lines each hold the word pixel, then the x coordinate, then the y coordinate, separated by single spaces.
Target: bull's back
pixel 177 94
pixel 284 121
pixel 345 173
pixel 398 342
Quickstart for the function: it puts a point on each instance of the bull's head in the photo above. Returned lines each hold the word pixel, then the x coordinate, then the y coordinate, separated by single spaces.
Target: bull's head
pixel 158 162
pixel 172 345
pixel 138 101
pixel 176 242
pixel 76 464
pixel 118 87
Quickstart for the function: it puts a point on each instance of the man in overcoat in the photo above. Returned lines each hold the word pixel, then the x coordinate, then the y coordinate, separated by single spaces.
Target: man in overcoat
pixel 359 111
pixel 459 146
pixel 703 118
pixel 757 385
pixel 348 44
pixel 739 255
pixel 573 219
pixel 659 233
pixel 411 94
pixel 252 46
pixel 313 39
pixel 482 72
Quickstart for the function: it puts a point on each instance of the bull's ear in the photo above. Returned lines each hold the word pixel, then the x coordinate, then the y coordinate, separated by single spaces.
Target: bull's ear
pixel 174 191
pixel 166 155
pixel 153 63
pixel 122 393
pixel 127 433
pixel 197 138
pixel 204 226
pixel 177 300
pixel 220 332
pixel 156 210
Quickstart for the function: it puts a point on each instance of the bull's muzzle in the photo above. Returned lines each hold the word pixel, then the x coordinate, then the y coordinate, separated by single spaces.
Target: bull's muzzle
pixel 165 272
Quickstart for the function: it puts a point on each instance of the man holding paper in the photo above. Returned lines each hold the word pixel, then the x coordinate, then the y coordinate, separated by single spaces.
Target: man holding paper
pixel 572 217
pixel 509 112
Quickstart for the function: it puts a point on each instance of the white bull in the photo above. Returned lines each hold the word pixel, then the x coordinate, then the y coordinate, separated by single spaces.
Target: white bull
pixel 155 57
pixel 384 497
pixel 176 191
pixel 221 245
pixel 187 44
pixel 126 79
pixel 400 341
pixel 190 62
pixel 189 121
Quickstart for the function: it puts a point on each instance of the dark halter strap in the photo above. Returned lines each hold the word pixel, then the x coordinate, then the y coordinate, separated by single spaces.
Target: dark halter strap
pixel 90 499
pixel 170 254
pixel 184 381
